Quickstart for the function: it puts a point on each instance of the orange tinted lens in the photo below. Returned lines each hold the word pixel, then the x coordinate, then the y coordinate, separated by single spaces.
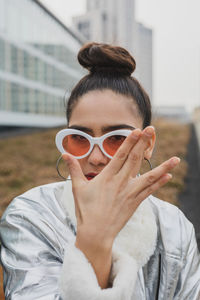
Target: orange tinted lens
pixel 76 144
pixel 112 143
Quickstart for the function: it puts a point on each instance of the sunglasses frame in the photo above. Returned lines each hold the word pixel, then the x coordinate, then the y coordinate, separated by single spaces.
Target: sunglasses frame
pixel 92 140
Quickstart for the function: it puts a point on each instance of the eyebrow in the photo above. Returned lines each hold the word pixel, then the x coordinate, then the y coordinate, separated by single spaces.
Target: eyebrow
pixel 105 129
pixel 116 127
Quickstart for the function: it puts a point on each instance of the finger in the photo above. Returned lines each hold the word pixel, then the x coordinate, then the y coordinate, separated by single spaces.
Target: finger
pixel 75 170
pixel 152 188
pixel 122 153
pixel 149 178
pixel 132 165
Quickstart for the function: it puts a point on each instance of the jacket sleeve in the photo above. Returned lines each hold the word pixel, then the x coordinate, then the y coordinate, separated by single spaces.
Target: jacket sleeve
pixel 30 259
pixel 188 287
pixel 78 279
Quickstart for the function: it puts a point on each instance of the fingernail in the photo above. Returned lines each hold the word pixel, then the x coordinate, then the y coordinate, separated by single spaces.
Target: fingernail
pixel 149 131
pixel 136 133
pixel 175 161
pixel 65 156
pixel 168 176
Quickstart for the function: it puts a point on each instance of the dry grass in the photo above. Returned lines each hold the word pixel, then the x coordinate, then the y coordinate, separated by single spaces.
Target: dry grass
pixel 172 140
pixel 28 161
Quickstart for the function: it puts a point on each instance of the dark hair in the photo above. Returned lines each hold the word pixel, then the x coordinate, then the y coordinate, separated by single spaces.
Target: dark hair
pixel 110 67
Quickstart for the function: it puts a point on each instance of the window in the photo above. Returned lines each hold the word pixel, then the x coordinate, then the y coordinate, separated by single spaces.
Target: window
pixel 2 54
pixel 84 28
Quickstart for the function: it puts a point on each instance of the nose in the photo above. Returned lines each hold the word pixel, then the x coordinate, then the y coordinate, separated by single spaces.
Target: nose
pixel 97 157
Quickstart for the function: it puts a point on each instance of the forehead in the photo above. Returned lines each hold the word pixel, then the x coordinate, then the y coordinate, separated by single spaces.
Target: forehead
pixel 98 109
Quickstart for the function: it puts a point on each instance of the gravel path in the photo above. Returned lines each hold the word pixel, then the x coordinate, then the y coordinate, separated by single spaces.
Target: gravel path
pixel 190 198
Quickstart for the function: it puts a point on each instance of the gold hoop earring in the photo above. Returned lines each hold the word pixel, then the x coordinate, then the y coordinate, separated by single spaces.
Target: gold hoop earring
pixel 57 168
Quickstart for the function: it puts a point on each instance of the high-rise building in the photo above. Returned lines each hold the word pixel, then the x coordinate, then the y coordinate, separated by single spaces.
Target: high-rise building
pixel 108 21
pixel 37 64
pixel 144 57
pixel 113 21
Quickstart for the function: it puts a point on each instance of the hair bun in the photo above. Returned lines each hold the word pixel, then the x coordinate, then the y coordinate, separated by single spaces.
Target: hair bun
pixel 104 58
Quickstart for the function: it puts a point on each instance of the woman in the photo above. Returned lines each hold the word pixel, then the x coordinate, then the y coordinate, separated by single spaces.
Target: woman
pixel 102 235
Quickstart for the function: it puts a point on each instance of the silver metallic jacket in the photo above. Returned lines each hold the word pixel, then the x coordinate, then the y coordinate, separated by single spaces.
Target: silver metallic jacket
pixel 154 257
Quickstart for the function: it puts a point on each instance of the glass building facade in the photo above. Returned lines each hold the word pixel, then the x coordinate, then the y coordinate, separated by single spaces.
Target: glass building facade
pixel 38 65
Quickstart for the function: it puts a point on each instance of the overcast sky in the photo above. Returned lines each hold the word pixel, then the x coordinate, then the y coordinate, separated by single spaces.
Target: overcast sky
pixel 176 45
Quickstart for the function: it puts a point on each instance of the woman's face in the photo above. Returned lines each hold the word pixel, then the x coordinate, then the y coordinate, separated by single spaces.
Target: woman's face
pixel 97 113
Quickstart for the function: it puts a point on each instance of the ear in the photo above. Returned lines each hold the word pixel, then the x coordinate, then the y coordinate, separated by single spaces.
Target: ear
pixel 148 152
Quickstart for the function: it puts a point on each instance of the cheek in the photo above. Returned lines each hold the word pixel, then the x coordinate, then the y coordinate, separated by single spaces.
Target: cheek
pixel 82 163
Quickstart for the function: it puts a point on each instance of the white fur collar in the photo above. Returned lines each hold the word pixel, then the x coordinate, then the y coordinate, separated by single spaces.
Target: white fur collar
pixel 137 238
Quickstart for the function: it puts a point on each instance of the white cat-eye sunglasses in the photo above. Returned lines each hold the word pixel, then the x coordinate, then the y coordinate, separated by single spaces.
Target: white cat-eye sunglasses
pixel 80 144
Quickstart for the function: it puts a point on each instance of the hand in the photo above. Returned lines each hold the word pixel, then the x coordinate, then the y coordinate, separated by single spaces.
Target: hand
pixel 105 204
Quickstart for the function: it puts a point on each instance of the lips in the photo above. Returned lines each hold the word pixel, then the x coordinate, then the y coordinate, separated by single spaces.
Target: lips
pixel 90 176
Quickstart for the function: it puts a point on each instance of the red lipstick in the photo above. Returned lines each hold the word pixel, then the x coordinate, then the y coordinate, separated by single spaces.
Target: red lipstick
pixel 90 176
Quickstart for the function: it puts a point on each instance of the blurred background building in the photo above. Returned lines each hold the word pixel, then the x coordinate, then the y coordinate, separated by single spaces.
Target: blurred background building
pixel 38 55
pixel 177 113
pixel 113 21
pixel 37 64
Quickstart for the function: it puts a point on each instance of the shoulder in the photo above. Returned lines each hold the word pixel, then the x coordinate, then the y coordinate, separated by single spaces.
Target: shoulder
pixel 164 209
pixel 39 198
pixel 37 217
pixel 176 232
pixel 39 208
